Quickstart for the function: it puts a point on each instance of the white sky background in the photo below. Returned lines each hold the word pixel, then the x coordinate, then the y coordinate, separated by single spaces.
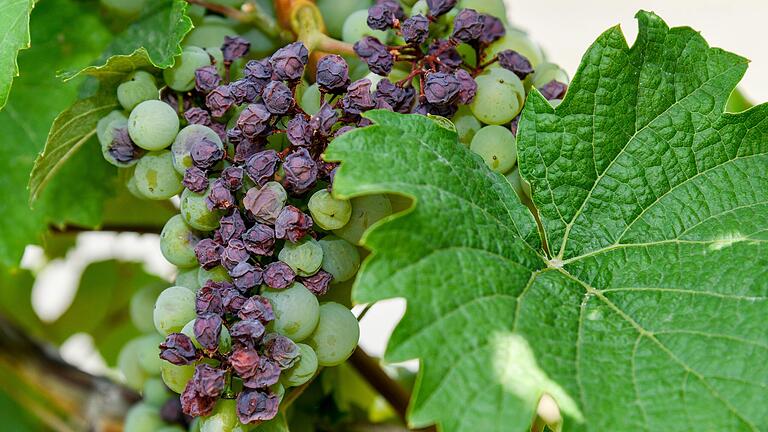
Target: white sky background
pixel 564 28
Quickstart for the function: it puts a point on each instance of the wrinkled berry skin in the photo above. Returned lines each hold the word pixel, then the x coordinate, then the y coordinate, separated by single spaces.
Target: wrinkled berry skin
pixel 208 253
pixel 358 97
pixel 122 148
pixel 178 349
pixel 197 115
pixel 375 54
pixel 219 100
pixel 288 62
pixel 261 166
pixel 416 29
pixel 493 29
pixel 260 240
pixel 441 88
pixel 278 275
pixel 468 26
pixel 234 48
pixel 256 405
pixel 399 98
pixel 283 351
pixel 195 179
pixel 553 90
pixel 298 131
pixel 300 170
pixel 207 78
pixel 515 62
pixel 440 7
pixel 318 283
pixel 245 91
pixel 207 329
pixel 205 153
pixel 292 224
pixel 323 121
pixel 257 308
pixel 277 98
pixel 467 87
pixel 247 332
pixel 332 74
pixel 254 120
pixel 380 17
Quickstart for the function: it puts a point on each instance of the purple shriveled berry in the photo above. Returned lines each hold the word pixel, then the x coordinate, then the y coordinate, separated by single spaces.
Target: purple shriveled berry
pixel 493 29
pixel 196 115
pixel 298 131
pixel 246 276
pixel 283 351
pixel 553 90
pixel 468 26
pixel 247 332
pixel 323 121
pixel 219 197
pixel 394 6
pixel 244 148
pixel 254 120
pixel 232 177
pixel 232 300
pixel 292 224
pixel 231 226
pixel 207 329
pixel 178 349
pixel 257 308
pixel 425 108
pixel 245 91
pixel 245 361
pixel 380 17
pixel 256 406
pixel 300 170
pixel 342 130
pixel 234 48
pixel 195 404
pixel 206 153
pixel 261 167
pixel 318 283
pixel 515 62
pixel 208 300
pixel 467 87
pixel 171 411
pixel 416 29
pixel 267 374
pixel 278 275
pixel 332 74
pixel 207 78
pixel 258 70
pixel 208 380
pixel 289 61
pixel 277 98
pixel 446 54
pixel 358 97
pixel 375 54
pixel 219 100
pixel 122 148
pixel 260 240
pixel 233 254
pixel 440 7
pixel 399 98
pixel 208 253
pixel 441 88
pixel 264 204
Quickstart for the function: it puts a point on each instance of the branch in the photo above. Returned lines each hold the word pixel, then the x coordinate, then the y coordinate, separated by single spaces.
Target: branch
pixel 61 395
pixel 251 13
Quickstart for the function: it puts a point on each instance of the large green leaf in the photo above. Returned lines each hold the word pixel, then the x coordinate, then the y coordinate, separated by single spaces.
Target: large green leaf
pixel 651 315
pixel 65 34
pixel 14 36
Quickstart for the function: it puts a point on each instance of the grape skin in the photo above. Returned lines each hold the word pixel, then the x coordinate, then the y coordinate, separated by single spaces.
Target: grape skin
pixel 138 87
pixel 222 419
pixel 335 13
pixel 466 124
pixel 155 393
pixel 518 41
pixel 107 136
pixel 336 335
pixel 356 27
pixel 181 76
pixel 340 258
pixel 225 339
pixel 143 418
pixel 177 242
pixel 195 211
pixel 148 353
pixel 497 146
pixel 155 177
pixel 186 138
pixel 187 278
pixel 305 257
pixel 499 98
pixel 153 125
pixel 174 308
pixel 142 307
pixel 103 131
pixel 327 212
pixel 366 210
pixel 216 274
pixel 303 370
pixel 296 311
pixel 128 363
pixel 176 377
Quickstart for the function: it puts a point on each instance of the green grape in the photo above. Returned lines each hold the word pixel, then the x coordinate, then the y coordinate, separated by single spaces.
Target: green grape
pixel 187 278
pixel 222 419
pixel 340 258
pixel 336 335
pixel 279 390
pixel 194 426
pixel 261 44
pixel 329 213
pixel 138 87
pixel 177 242
pixel 304 256
pixel 499 97
pixel 195 211
pixel 216 274
pixel 303 370
pixel 109 134
pixel 153 125
pixel 225 339
pixel 143 418
pixel 155 393
pixel 335 13
pixel 103 131
pixel 466 124
pixel 187 137
pixel 218 59
pixel 520 42
pixel 176 377
pixel 148 353
pixel 155 176
pixel 420 8
pixel 356 27
pixel 142 307
pixel 547 72
pixel 521 187
pixel 130 182
pixel 366 210
pixel 497 146
pixel 175 306
pixel 181 76
pixel 339 292
pixel 128 363
pixel 124 7
pixel 209 35
pixel 468 54
pixel 489 7
pixel 296 311
pixel 310 100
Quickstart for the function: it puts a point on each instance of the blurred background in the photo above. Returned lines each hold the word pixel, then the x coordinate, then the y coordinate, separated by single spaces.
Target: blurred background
pixel 564 29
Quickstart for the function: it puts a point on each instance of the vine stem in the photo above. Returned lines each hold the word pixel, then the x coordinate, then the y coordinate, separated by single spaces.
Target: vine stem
pixel 391 390
pixel 250 13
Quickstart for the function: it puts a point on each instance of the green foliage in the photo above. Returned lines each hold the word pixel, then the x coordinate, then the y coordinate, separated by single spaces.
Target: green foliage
pixel 14 34
pixel 650 310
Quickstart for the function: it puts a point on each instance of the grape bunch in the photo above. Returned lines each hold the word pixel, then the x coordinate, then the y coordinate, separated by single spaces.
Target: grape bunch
pixel 461 61
pixel 259 236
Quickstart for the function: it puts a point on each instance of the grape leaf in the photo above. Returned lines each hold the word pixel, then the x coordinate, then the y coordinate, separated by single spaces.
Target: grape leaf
pixel 65 34
pixel 14 36
pixel 651 313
